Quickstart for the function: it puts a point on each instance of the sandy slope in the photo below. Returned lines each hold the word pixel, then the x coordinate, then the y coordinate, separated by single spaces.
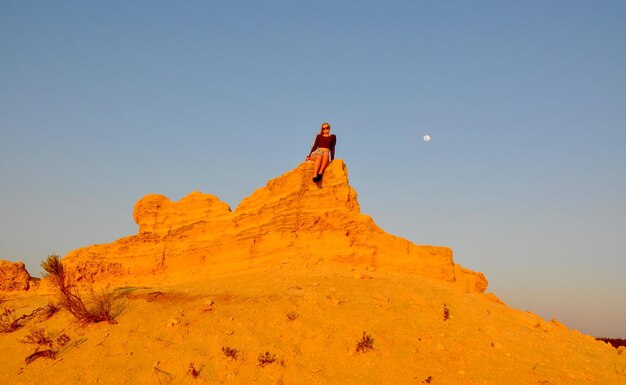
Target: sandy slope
pixel 198 279
pixel 161 330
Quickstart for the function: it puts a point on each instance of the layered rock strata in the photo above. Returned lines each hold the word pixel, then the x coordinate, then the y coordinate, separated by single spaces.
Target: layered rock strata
pixel 289 221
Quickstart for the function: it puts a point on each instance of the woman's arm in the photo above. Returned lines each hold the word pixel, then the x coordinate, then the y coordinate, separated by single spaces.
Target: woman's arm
pixel 315 144
pixel 333 140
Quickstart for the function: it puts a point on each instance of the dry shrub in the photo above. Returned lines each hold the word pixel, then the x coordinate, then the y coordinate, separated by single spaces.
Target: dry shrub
pixel 70 298
pixel 49 310
pixel 9 322
pixel 615 342
pixel 39 337
pixel 291 315
pixel 193 371
pixel 267 358
pixel 366 343
pixel 101 305
pixel 229 352
pixel 45 346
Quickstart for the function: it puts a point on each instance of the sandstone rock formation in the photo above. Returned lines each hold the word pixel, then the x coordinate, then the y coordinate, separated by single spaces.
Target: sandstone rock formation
pixel 290 220
pixel 13 276
pixel 201 294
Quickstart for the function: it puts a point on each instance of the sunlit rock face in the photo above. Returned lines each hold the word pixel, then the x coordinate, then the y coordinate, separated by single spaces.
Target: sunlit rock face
pixel 13 276
pixel 291 221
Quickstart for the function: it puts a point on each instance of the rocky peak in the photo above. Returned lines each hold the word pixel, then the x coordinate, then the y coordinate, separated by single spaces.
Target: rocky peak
pixel 291 220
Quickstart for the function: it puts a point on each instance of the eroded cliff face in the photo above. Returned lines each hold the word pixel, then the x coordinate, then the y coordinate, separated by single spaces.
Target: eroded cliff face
pixel 290 221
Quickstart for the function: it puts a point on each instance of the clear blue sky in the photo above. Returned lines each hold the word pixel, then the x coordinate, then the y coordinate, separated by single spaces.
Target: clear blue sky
pixel 525 175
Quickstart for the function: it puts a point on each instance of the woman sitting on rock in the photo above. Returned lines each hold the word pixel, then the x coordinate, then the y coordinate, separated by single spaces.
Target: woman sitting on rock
pixel 323 151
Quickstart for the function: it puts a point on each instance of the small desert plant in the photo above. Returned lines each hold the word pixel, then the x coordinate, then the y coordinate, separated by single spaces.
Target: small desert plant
pixel 266 359
pixel 229 352
pixel 291 315
pixel 41 339
pixel 70 299
pixel 366 343
pixel 428 380
pixel 8 321
pixel 193 371
pixel 49 310
pixel 446 312
pixel 101 305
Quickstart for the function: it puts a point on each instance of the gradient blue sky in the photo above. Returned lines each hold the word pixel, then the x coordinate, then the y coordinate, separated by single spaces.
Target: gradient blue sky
pixel 525 175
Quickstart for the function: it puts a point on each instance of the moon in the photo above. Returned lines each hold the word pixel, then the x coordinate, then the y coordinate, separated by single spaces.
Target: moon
pixel 426 138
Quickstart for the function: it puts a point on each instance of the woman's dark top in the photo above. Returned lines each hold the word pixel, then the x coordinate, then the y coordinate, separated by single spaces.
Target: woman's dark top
pixel 325 142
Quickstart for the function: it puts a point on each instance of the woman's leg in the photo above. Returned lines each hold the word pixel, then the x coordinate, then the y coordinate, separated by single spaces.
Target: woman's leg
pixel 318 164
pixel 324 162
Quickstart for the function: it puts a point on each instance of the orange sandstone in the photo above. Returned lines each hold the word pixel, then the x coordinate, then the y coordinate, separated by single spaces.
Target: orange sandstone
pixel 290 219
pixel 13 276
pixel 296 272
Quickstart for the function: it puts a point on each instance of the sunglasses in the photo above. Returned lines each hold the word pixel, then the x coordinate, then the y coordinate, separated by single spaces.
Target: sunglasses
pixel 325 128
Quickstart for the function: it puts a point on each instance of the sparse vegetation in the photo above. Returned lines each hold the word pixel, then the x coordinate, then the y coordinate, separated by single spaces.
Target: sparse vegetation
pixel 266 359
pixel 615 342
pixel 39 337
pixel 229 352
pixel 428 380
pixel 291 315
pixel 365 344
pixel 193 371
pixel 446 312
pixel 45 346
pixel 102 304
pixel 47 311
pixel 69 297
pixel 9 322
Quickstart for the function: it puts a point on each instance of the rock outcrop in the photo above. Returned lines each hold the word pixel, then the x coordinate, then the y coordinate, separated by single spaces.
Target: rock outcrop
pixel 13 276
pixel 289 221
